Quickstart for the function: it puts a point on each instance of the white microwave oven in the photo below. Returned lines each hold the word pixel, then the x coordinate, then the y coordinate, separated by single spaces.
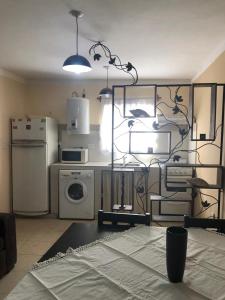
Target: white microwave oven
pixel 74 155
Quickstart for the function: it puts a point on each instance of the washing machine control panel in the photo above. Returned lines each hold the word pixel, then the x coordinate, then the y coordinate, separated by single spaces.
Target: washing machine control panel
pixel 77 173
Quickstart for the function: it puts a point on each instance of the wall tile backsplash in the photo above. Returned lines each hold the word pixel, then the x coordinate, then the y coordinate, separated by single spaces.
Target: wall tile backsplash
pixel 91 141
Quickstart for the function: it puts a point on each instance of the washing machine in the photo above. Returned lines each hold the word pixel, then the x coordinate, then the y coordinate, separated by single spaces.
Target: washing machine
pixel 76 194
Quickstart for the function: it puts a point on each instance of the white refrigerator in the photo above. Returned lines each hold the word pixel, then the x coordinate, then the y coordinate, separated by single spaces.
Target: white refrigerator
pixel 34 148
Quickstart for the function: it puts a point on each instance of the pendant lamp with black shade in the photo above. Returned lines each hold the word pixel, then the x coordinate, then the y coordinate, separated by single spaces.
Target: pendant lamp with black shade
pixel 76 63
pixel 106 92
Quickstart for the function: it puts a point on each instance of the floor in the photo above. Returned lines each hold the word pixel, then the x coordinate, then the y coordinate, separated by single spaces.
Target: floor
pixel 34 238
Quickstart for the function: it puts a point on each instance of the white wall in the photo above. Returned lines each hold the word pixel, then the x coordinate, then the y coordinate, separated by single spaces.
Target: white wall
pixel 12 102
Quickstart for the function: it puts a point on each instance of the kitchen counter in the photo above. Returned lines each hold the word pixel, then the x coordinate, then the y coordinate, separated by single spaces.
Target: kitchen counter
pixel 98 167
pixel 101 165
pixel 86 165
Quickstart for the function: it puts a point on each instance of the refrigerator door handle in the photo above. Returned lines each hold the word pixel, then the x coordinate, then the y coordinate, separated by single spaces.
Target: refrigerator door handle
pixel 28 145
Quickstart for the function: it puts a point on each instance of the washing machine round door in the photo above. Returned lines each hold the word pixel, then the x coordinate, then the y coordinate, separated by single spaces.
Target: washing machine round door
pixel 76 191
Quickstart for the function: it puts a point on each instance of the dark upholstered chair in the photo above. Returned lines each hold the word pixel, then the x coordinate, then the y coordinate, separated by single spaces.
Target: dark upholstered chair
pixel 8 253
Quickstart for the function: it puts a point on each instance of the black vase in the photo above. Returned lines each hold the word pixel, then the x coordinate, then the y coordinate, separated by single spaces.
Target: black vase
pixel 176 249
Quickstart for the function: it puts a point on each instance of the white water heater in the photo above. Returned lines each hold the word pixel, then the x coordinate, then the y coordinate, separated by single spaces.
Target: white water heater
pixel 78 115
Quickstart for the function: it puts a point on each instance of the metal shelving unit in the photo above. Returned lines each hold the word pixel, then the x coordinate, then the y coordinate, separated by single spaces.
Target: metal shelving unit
pixel 174 186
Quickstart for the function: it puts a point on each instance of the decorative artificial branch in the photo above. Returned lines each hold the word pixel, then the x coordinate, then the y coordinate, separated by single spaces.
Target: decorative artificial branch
pixel 114 60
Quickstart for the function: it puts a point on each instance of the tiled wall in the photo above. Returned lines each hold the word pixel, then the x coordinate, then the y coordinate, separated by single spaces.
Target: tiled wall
pixel 92 141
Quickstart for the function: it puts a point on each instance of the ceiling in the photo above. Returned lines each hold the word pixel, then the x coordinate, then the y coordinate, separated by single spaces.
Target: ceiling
pixel 163 39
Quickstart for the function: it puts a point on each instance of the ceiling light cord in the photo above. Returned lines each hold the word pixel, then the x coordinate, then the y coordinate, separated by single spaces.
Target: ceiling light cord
pixel 77 35
pixel 107 78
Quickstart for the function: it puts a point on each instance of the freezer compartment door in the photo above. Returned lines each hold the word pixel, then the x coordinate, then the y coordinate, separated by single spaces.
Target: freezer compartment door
pixel 30 179
pixel 29 129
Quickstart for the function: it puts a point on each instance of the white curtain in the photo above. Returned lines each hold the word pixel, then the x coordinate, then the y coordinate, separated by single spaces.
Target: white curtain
pixel 121 129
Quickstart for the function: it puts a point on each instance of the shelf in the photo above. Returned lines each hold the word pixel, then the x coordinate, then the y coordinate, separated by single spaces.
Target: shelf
pixel 120 169
pixel 148 147
pixel 209 90
pixel 169 209
pixel 126 165
pixel 180 121
pixel 116 218
pixel 174 184
pixel 182 165
pixel 164 199
pixel 124 208
pixel 122 194
pixel 123 170
pixel 167 218
pixel 179 186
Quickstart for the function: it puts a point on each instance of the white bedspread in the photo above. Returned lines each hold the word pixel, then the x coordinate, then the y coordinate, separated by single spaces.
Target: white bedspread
pixel 129 265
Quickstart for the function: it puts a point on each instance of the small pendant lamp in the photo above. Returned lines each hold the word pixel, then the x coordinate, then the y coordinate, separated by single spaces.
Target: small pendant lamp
pixel 106 92
pixel 76 63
